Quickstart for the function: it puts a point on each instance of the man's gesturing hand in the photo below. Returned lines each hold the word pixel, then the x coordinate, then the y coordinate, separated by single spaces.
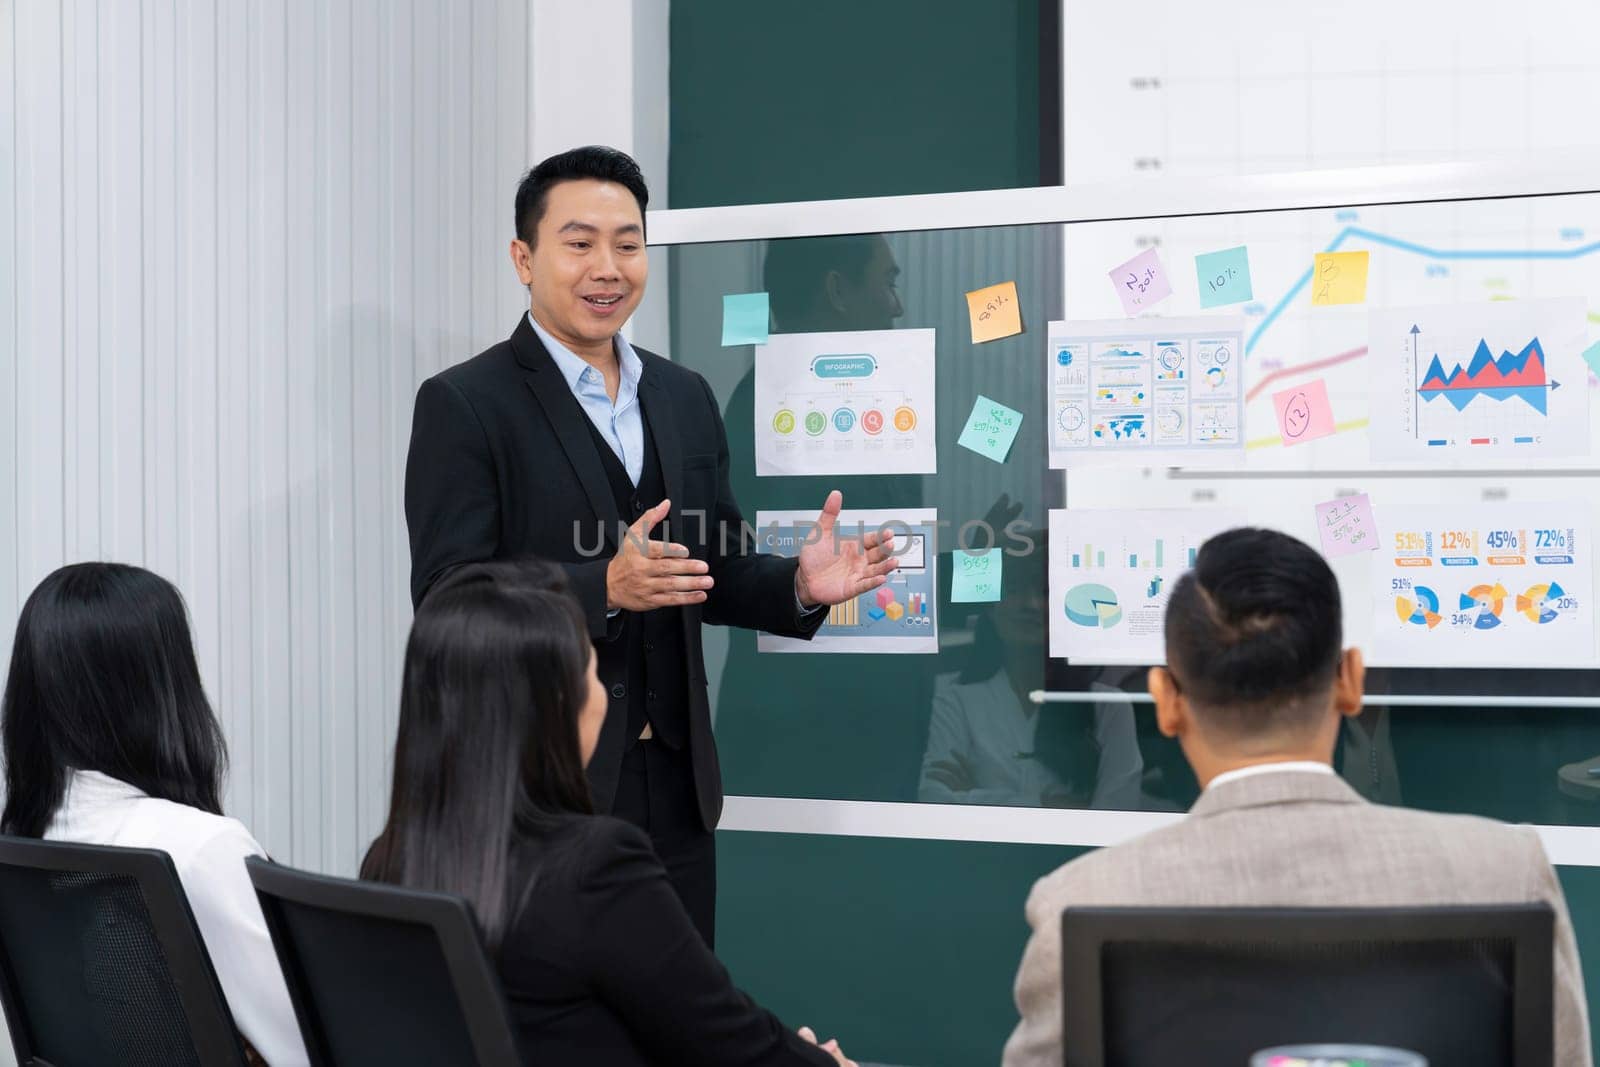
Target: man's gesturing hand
pixel 646 574
pixel 833 570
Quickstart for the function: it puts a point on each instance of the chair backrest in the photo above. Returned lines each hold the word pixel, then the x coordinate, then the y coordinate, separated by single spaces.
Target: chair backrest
pixel 101 961
pixel 1464 986
pixel 380 974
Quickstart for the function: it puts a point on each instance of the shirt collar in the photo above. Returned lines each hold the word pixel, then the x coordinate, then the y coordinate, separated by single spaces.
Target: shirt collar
pixel 572 366
pixel 94 786
pixel 1303 766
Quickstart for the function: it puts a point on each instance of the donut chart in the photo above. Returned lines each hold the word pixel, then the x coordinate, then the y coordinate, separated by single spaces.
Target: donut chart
pixel 1489 600
pixel 1422 611
pixel 1535 603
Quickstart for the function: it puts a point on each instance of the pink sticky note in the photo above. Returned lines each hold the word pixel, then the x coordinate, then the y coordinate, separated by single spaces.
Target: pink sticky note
pixel 1346 525
pixel 1141 282
pixel 1303 412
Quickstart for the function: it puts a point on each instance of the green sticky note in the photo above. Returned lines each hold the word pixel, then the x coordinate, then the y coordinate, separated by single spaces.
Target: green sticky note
pixel 976 578
pixel 1591 356
pixel 1224 277
pixel 744 319
pixel 990 429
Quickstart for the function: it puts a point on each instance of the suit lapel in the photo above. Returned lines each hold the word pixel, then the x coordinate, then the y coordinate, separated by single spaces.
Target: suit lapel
pixel 663 429
pixel 566 418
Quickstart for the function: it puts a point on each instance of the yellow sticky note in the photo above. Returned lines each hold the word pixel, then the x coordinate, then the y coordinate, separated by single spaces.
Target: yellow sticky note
pixel 1339 278
pixel 995 312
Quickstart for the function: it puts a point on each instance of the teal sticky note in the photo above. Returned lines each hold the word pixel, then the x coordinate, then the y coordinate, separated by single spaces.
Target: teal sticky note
pixel 1224 276
pixel 975 578
pixel 1591 356
pixel 744 319
pixel 990 429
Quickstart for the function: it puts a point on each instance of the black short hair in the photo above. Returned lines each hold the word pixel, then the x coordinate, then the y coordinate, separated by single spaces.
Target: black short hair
pixel 796 267
pixel 591 161
pixel 1254 633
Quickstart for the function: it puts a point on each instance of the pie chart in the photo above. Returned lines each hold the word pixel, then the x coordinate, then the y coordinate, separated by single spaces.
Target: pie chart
pixel 1535 603
pixel 1423 611
pixel 1094 606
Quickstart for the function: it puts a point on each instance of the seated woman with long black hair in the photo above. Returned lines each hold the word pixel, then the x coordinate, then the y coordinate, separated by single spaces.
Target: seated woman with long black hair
pixel 500 710
pixel 109 740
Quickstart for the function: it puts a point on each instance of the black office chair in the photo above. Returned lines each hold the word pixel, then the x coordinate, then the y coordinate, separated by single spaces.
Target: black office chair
pixel 383 975
pixel 101 961
pixel 1464 986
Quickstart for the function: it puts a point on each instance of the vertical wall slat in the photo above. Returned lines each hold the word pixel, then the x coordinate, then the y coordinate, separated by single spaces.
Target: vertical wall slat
pixel 369 322
pixel 200 265
pixel 307 349
pixel 269 582
pixel 119 283
pixel 235 604
pixel 159 210
pixel 41 535
pixel 10 328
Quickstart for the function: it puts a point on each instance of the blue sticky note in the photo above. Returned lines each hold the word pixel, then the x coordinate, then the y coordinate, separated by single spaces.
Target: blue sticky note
pixel 990 429
pixel 744 319
pixel 1224 277
pixel 1591 356
pixel 976 578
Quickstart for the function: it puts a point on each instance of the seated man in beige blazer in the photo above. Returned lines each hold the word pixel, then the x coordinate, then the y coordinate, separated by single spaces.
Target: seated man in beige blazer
pixel 1254 689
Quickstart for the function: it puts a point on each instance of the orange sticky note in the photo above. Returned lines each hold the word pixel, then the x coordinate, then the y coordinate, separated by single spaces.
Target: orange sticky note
pixel 1339 278
pixel 995 312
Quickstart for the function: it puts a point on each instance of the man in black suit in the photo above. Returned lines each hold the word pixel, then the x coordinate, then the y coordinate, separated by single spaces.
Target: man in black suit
pixel 567 443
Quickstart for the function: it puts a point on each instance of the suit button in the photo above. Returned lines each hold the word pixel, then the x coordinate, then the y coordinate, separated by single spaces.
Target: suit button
pixel 650 694
pixel 619 691
pixel 649 646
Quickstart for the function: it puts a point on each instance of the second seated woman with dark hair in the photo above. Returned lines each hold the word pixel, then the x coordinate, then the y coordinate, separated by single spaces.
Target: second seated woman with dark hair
pixel 109 740
pixel 500 710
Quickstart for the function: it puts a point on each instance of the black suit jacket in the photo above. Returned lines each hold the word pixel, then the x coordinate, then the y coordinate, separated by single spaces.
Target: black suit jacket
pixel 502 466
pixel 601 964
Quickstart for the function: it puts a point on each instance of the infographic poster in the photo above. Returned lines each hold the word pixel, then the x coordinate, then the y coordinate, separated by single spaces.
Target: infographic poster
pixel 1491 585
pixel 1111 573
pixel 1498 380
pixel 897 617
pixel 846 403
pixel 1142 390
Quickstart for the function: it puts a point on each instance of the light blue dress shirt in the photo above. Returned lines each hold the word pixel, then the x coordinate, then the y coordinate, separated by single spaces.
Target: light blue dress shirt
pixel 619 422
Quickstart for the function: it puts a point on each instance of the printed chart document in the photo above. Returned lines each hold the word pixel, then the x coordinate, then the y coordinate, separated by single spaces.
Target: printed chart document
pixel 846 403
pixel 1111 573
pixel 1146 390
pixel 899 616
pixel 1488 585
pixel 1464 382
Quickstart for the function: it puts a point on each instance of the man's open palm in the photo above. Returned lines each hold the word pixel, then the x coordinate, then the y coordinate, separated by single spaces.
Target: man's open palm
pixel 833 570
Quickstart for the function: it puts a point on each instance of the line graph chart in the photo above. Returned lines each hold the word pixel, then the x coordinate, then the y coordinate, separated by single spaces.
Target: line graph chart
pixel 1384 240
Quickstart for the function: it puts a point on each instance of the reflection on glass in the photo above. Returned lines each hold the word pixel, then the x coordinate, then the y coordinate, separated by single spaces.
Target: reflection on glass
pixel 989 744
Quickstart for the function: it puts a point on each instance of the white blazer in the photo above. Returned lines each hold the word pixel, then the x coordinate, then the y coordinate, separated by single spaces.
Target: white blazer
pixel 209 852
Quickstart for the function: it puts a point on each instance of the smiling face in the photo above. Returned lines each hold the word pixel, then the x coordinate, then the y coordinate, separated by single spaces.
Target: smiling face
pixel 586 270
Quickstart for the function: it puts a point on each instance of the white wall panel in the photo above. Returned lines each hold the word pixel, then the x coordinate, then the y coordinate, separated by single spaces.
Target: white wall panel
pixel 234 237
